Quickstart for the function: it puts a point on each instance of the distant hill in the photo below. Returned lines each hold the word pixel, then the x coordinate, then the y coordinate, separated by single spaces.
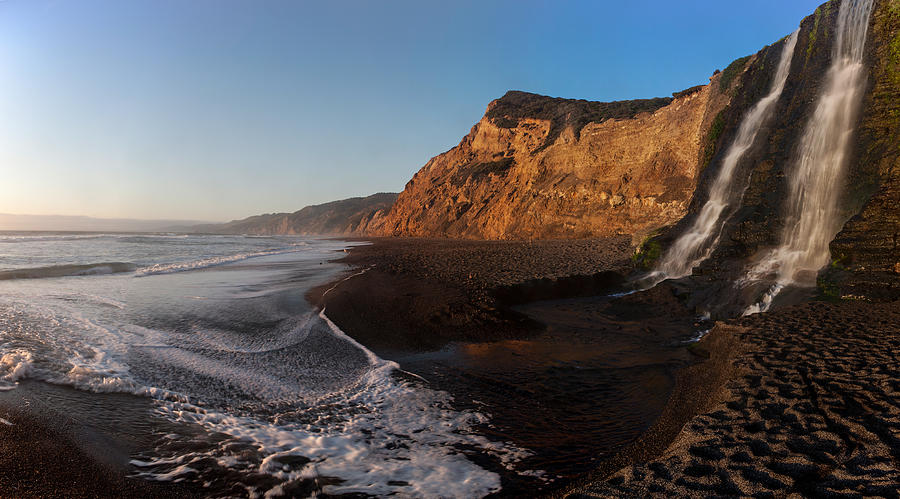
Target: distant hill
pixel 345 217
pixel 87 224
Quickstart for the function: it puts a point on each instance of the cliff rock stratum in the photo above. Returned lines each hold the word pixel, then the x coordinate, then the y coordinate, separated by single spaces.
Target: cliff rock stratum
pixel 540 167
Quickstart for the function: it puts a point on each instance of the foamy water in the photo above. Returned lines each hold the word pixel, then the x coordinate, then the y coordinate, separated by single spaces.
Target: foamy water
pixel 216 332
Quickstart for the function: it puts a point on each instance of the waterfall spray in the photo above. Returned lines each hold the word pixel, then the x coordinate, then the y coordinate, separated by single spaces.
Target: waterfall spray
pixel 811 214
pixel 697 243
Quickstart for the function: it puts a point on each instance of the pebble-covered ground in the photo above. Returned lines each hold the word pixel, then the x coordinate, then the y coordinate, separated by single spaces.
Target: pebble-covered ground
pixel 419 294
pixel 479 266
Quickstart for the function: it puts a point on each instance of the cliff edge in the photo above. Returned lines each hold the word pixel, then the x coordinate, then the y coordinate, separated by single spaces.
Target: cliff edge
pixel 537 167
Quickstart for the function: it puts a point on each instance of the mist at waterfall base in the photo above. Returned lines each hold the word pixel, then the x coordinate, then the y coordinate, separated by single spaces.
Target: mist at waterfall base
pixel 815 178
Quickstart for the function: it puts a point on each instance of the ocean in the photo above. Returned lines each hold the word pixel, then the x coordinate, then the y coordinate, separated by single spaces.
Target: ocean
pixel 248 389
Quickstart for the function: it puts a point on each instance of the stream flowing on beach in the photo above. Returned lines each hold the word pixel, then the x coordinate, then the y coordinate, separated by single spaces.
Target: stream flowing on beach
pixel 216 333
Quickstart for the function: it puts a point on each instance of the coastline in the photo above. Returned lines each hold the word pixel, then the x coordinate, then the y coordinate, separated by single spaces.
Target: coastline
pixel 418 278
pixel 737 420
pixel 798 400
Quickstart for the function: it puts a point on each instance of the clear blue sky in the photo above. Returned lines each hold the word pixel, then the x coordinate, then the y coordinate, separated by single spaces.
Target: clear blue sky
pixel 220 109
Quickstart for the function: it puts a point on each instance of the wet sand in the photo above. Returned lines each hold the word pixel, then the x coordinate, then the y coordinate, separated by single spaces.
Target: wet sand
pixel 45 452
pixel 594 380
pixel 803 400
pixel 590 383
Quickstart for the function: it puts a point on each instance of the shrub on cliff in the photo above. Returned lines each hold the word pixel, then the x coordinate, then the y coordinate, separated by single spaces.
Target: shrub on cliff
pixel 731 72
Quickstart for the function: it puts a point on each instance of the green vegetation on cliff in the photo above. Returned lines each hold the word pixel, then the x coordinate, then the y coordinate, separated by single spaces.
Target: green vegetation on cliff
pixel 712 138
pixel 894 46
pixel 869 243
pixel 647 253
pixel 823 12
pixel 731 72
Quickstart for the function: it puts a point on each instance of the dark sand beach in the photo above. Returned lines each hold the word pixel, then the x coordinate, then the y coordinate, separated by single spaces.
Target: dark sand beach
pixel 591 383
pixel 418 294
pixel 811 408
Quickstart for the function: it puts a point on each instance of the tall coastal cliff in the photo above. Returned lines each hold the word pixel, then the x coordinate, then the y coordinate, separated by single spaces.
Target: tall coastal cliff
pixel 869 243
pixel 542 167
pixel 537 167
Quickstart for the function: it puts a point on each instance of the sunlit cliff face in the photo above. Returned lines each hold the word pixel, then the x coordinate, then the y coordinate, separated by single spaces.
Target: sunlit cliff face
pixel 523 177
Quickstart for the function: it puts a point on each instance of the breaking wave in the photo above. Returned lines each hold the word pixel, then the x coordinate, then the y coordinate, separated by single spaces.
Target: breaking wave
pixel 89 269
pixel 286 403
pixel 170 268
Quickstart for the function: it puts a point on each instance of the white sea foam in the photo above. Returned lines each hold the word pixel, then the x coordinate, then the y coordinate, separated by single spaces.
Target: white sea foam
pixel 387 438
pixel 68 270
pixel 24 238
pixel 307 400
pixel 378 434
pixel 14 366
pixel 169 268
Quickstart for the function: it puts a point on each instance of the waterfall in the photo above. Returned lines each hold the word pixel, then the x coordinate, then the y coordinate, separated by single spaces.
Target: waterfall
pixel 697 243
pixel 812 218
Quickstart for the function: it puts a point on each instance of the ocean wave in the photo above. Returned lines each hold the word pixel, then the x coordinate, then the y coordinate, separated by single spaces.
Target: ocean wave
pixel 125 237
pixel 22 238
pixel 302 402
pixel 89 269
pixel 151 238
pixel 170 268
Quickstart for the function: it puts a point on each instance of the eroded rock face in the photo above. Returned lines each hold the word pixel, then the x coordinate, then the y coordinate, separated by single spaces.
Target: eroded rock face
pixel 539 167
pixel 870 240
